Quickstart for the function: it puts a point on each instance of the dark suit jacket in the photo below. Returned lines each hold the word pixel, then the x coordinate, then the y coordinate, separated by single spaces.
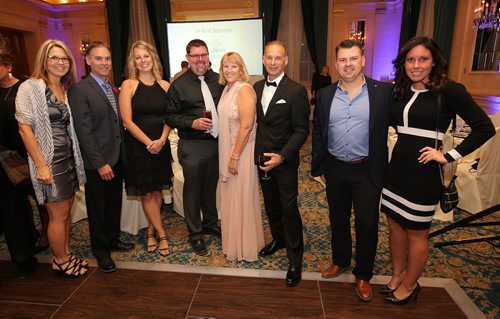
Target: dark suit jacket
pixel 284 128
pixel 99 131
pixel 380 96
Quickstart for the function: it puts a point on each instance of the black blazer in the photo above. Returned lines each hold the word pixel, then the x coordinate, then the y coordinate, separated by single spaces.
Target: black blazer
pixel 380 96
pixel 284 128
pixel 99 130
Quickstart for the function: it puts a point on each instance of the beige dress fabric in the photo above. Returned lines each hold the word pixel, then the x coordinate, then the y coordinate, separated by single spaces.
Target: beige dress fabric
pixel 241 220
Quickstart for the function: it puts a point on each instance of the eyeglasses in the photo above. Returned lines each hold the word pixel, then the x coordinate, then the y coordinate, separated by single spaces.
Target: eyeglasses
pixel 57 59
pixel 198 56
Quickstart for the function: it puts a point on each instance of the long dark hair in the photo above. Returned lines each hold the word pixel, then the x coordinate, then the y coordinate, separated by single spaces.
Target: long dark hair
pixel 437 77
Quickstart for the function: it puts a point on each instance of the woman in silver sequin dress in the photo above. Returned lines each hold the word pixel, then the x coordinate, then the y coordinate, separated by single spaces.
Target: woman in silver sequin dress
pixel 55 161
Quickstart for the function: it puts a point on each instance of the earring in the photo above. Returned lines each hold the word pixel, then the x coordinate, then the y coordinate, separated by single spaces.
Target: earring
pixel 10 75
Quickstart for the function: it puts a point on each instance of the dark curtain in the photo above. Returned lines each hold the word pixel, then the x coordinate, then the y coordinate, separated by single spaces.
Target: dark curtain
pixel 159 14
pixel 270 11
pixel 315 16
pixel 444 23
pixel 411 10
pixel 118 15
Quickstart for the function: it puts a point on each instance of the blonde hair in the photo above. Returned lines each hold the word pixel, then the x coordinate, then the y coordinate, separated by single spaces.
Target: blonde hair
pixel 132 71
pixel 40 68
pixel 233 57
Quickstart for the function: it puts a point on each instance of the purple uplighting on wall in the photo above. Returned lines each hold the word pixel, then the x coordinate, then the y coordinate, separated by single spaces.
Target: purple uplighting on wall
pixel 386 45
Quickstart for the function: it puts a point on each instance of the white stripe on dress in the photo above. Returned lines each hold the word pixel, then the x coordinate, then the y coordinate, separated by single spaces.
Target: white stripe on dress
pixel 456 155
pixel 405 214
pixel 419 132
pixel 407 203
pixel 407 108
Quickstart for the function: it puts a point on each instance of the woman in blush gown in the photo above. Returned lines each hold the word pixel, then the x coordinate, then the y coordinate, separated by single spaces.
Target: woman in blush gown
pixel 241 221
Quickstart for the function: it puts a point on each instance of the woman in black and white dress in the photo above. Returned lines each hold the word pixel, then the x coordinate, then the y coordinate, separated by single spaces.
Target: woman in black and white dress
pixel 412 185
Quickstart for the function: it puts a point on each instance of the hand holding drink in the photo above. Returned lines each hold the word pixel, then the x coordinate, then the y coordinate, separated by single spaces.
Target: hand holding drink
pixel 207 114
pixel 262 162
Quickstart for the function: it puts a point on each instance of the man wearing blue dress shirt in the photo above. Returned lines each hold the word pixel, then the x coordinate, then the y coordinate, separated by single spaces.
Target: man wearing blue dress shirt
pixel 350 154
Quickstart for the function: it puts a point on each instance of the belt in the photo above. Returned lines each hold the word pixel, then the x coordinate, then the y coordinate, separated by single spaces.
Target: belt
pixel 359 161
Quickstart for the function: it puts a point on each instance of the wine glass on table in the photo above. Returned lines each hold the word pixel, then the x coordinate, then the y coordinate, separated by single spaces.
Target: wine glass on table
pixel 207 114
pixel 262 160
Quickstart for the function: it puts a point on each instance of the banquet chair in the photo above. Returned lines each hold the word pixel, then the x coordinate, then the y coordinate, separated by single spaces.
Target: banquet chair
pixel 480 189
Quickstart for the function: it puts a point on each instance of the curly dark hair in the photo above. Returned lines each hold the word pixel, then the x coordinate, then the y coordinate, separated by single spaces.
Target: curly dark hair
pixel 437 77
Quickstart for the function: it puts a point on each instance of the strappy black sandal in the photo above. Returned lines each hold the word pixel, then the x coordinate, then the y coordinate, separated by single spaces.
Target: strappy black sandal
pixel 83 262
pixel 164 252
pixel 154 247
pixel 71 268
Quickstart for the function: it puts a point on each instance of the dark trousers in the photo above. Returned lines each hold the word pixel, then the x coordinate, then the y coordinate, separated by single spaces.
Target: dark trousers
pixel 16 215
pixel 349 185
pixel 280 200
pixel 200 166
pixel 104 205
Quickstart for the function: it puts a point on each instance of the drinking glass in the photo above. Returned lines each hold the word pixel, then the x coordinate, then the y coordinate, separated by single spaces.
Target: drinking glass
pixel 262 160
pixel 207 114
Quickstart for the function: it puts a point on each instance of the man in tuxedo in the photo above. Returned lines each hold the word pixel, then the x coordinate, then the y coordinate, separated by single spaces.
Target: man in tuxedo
pixel 99 129
pixel 282 129
pixel 189 95
pixel 349 152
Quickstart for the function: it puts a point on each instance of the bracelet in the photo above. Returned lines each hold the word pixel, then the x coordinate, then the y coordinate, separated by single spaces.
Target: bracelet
pixel 235 157
pixel 162 142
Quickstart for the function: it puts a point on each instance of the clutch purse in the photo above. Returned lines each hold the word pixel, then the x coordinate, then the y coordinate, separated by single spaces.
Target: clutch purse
pixel 449 197
pixel 16 167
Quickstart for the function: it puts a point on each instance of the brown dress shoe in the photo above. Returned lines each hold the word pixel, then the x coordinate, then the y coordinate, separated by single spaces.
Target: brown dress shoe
pixel 333 271
pixel 364 290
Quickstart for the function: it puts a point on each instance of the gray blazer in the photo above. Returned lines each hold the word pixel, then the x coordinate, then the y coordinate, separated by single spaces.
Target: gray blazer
pixel 99 130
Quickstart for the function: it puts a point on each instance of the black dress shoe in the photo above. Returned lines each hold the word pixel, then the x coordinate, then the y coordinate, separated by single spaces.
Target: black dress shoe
pixel 271 248
pixel 214 231
pixel 293 276
pixel 26 268
pixel 106 264
pixel 122 246
pixel 385 290
pixel 414 294
pixel 199 247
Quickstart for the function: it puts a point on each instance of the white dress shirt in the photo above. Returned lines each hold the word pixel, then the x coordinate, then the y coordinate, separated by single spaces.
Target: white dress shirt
pixel 268 93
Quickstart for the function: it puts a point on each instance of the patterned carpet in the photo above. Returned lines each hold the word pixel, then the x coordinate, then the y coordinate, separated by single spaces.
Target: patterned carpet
pixel 473 266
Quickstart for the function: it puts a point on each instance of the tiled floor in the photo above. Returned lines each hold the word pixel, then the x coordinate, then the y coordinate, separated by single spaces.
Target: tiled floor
pixel 203 292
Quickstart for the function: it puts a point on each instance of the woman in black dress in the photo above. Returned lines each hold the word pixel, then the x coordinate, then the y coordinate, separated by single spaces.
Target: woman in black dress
pixel 320 81
pixel 10 139
pixel 16 215
pixel 142 104
pixel 412 185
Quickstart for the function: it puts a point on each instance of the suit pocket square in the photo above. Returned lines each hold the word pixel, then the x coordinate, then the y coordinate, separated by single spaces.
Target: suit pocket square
pixel 281 102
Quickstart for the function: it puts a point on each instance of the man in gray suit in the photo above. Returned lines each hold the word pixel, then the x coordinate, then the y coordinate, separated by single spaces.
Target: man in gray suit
pixel 99 129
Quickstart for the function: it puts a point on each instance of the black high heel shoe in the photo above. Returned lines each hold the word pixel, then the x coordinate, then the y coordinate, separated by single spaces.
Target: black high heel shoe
pixel 83 262
pixel 154 247
pixel 164 252
pixel 71 268
pixel 392 299
pixel 385 290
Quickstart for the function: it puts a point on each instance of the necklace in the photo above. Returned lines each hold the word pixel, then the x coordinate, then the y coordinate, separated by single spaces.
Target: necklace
pixel 8 92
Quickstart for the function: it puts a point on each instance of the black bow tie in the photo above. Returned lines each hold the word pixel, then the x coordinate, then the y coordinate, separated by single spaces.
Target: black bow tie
pixel 271 84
